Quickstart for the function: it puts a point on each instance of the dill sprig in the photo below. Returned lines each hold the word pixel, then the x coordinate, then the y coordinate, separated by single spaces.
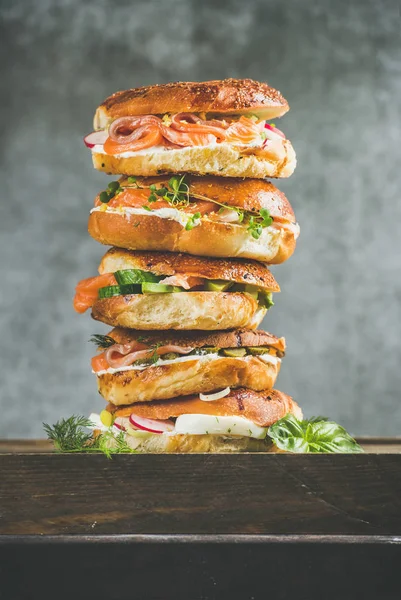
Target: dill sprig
pixel 102 341
pixel 69 435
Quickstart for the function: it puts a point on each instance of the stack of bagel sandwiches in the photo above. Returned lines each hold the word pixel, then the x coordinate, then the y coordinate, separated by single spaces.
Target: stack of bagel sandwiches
pixel 193 225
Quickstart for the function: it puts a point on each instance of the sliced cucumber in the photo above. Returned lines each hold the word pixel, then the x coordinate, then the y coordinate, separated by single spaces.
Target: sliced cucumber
pixel 129 276
pixel 159 288
pixel 109 291
pixel 252 290
pixel 234 352
pixel 257 350
pixel 118 290
pixel 266 299
pixel 217 285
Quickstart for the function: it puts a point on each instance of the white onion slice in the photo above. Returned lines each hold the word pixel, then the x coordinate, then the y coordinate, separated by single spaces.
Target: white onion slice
pixel 215 396
pixel 95 138
pixel 228 215
pixel 152 425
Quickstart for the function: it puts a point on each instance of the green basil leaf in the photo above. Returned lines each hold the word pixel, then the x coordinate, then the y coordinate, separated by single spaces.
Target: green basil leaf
pixel 314 435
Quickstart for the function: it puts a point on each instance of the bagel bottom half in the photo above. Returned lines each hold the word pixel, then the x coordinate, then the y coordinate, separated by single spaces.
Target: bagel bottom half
pixel 209 238
pixel 224 160
pixel 190 444
pixel 183 311
pixel 202 375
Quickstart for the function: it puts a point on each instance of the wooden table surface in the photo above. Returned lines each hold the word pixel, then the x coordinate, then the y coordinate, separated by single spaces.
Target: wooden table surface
pixel 200 527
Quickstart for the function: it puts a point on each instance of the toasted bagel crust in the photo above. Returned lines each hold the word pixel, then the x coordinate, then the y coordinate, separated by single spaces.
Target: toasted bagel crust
pixel 226 96
pixel 224 160
pixel 199 444
pixel 209 238
pixel 261 407
pixel 219 339
pixel 182 311
pixel 200 375
pixel 166 263
pixel 247 194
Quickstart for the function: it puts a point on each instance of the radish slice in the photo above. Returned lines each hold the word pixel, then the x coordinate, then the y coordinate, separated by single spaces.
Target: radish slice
pixel 152 425
pixel 215 396
pixel 274 130
pixel 118 426
pixel 95 138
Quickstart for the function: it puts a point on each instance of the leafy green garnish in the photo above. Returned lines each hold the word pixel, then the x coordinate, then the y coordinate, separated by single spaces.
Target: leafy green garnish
pixel 317 434
pixel 68 435
pixel 113 189
pixel 102 341
pixel 193 221
pixel 176 192
pixel 257 223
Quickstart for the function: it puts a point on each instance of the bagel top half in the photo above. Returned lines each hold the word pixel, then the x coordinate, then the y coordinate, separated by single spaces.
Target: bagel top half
pixel 247 272
pixel 219 97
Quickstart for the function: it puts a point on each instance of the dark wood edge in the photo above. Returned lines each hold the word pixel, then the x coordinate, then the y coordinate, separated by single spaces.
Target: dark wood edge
pixel 371 445
pixel 201 539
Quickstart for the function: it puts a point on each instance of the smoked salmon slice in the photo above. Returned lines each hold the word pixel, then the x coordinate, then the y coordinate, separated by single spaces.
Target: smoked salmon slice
pixel 132 134
pixel 137 198
pixel 87 290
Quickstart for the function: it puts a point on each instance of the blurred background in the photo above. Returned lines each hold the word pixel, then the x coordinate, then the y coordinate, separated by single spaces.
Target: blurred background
pixel 338 64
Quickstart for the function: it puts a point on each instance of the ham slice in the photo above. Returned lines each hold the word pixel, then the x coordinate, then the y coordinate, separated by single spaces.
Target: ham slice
pixel 132 134
pixel 185 281
pixel 123 355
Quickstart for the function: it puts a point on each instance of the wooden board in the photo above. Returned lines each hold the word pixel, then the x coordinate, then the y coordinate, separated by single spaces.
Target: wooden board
pixel 201 494
pixel 200 527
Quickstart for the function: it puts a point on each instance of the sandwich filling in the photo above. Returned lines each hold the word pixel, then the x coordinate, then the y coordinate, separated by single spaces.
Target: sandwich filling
pixel 175 201
pixel 139 354
pixel 137 281
pixel 141 428
pixel 127 136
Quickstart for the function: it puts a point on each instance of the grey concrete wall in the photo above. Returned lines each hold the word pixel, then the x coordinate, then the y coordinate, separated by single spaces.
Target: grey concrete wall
pixel 339 65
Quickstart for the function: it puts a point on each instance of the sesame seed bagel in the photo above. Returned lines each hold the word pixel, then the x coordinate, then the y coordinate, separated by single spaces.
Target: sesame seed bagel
pixel 167 263
pixel 119 225
pixel 208 310
pixel 192 374
pixel 227 97
pixel 263 408
pixel 224 160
